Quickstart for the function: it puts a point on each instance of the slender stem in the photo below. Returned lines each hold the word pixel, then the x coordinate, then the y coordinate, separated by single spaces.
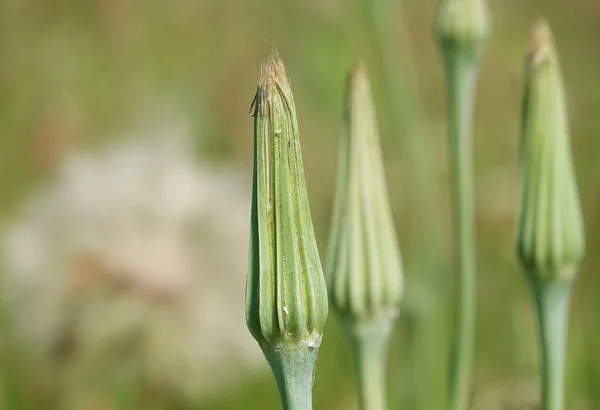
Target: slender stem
pixel 552 301
pixel 461 87
pixel 369 344
pixel 404 113
pixel 294 369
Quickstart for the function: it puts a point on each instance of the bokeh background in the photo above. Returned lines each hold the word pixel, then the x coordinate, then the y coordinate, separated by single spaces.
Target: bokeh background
pixel 125 161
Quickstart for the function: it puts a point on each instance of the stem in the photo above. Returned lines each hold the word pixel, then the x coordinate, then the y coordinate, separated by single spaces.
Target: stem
pixel 369 344
pixel 404 113
pixel 461 87
pixel 552 301
pixel 294 369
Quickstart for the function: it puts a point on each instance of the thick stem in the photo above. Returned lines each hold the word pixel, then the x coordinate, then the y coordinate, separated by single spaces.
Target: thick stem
pixel 294 369
pixel 461 87
pixel 370 345
pixel 552 301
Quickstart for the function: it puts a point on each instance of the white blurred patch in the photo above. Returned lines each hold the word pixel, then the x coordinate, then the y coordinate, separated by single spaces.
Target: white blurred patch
pixel 136 255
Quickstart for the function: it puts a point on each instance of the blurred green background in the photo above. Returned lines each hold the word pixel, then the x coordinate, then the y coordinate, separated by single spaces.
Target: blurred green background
pixel 101 322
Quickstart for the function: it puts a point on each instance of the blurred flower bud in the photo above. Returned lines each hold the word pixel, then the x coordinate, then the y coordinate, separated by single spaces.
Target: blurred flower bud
pixel 550 242
pixel 462 27
pixel 286 297
pixel 364 270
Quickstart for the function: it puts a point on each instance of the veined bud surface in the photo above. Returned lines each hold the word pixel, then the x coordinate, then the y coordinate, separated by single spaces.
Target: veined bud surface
pixel 364 271
pixel 286 296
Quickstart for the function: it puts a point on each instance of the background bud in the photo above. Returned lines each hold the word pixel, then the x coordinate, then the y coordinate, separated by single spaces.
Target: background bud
pixel 462 26
pixel 550 241
pixel 364 267
pixel 365 271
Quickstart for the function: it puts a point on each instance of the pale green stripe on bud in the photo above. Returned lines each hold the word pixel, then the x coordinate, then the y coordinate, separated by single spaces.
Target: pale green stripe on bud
pixel 364 270
pixel 550 241
pixel 286 296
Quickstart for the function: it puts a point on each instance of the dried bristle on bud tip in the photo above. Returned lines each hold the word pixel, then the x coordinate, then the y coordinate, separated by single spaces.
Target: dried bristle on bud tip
pixel 272 70
pixel 541 42
pixel 272 75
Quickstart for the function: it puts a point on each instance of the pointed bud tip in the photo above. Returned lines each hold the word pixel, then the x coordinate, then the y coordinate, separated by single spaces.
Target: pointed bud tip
pixel 358 78
pixel 540 42
pixel 360 68
pixel 272 70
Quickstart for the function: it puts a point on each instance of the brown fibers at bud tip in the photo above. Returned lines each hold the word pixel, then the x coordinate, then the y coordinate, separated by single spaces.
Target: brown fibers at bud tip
pixel 540 42
pixel 272 72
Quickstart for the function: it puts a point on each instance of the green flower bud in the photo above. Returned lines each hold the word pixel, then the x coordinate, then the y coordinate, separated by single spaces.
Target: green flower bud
pixel 364 270
pixel 550 242
pixel 462 27
pixel 286 297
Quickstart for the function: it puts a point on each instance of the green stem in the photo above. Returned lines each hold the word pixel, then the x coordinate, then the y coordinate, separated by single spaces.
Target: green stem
pixel 404 114
pixel 369 344
pixel 427 389
pixel 552 301
pixel 294 369
pixel 461 87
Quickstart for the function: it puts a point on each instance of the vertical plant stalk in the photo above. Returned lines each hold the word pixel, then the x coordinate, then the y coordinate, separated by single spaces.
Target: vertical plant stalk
pixel 552 302
pixel 462 29
pixel 425 323
pixel 364 269
pixel 370 346
pixel 461 87
pixel 550 236
pixel 286 294
pixel 294 373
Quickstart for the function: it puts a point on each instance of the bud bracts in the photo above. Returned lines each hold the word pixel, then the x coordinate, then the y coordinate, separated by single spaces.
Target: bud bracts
pixel 286 298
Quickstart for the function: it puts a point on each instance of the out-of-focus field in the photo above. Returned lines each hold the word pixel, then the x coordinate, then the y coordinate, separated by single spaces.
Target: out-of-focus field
pixel 125 161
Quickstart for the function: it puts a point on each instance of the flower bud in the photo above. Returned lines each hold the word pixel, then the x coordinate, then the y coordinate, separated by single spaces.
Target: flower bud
pixel 364 271
pixel 550 242
pixel 286 297
pixel 462 26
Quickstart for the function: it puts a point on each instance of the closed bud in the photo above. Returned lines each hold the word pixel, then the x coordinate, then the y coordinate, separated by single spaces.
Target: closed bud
pixel 286 297
pixel 550 242
pixel 364 270
pixel 462 27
